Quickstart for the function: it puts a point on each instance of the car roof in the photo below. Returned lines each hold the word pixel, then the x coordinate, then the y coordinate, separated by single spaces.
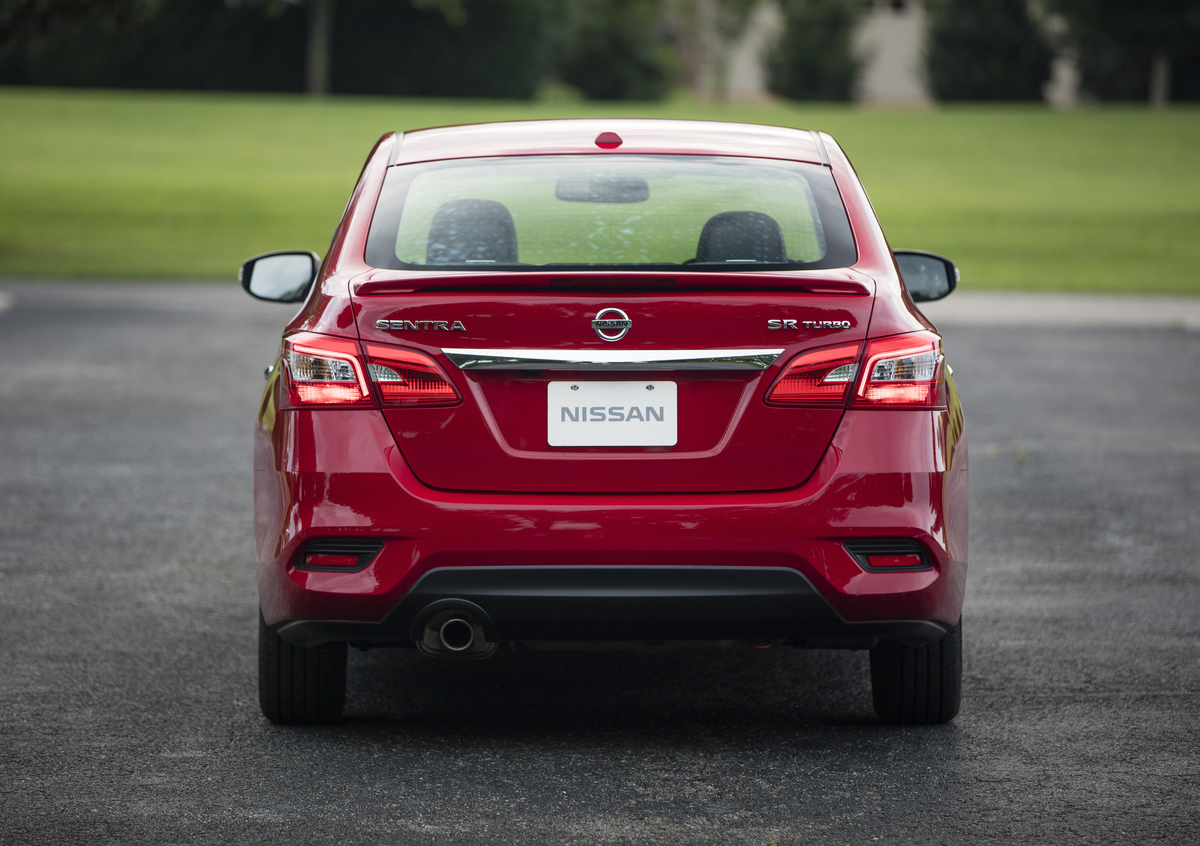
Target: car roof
pixel 549 137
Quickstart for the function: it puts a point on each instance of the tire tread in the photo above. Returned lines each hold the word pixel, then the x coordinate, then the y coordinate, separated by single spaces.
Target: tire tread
pixel 299 685
pixel 918 685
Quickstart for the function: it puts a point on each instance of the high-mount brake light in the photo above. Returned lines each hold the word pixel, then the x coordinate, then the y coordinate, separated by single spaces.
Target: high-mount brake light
pixel 408 378
pixel 323 371
pixel 903 371
pixel 818 377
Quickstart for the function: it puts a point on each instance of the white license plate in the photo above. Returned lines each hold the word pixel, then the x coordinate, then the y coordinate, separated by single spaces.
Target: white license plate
pixel 612 414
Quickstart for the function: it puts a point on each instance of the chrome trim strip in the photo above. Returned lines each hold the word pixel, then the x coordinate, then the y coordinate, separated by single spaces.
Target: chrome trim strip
pixel 614 360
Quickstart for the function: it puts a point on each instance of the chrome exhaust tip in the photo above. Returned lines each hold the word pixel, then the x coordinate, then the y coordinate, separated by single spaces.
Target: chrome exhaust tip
pixel 457 634
pixel 455 629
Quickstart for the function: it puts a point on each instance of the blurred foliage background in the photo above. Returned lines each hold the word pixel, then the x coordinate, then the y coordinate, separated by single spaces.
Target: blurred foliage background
pixel 813 59
pixel 224 157
pixel 986 50
pixel 602 49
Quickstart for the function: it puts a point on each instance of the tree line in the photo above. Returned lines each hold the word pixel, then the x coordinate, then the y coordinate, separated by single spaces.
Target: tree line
pixel 603 49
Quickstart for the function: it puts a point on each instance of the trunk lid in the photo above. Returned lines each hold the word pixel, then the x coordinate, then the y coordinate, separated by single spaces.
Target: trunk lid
pixel 516 348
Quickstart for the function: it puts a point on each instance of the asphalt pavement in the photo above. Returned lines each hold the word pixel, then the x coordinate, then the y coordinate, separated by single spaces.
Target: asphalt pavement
pixel 128 706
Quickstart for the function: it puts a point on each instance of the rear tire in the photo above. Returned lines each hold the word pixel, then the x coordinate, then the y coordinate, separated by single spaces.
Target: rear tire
pixel 299 685
pixel 918 685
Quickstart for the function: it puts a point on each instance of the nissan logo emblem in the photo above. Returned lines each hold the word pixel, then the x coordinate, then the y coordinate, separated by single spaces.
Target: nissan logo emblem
pixel 612 324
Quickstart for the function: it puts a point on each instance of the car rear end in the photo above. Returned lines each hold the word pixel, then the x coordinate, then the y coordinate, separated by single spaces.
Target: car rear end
pixel 622 384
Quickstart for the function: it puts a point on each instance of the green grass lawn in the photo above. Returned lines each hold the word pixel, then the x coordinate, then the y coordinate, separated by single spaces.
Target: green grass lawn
pixel 102 184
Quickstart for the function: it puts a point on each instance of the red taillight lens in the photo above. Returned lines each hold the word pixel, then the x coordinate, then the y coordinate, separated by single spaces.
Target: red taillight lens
pixel 409 378
pixel 324 371
pixel 902 371
pixel 818 377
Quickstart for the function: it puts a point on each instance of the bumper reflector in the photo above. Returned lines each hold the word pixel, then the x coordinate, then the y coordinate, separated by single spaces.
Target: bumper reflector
pixel 338 554
pixel 889 554
pixel 895 561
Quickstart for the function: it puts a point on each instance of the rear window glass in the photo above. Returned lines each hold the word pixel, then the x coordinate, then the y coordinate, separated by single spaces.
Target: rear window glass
pixel 609 211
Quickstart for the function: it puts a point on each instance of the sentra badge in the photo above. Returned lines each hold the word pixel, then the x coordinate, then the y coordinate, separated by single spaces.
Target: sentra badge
pixel 819 325
pixel 419 325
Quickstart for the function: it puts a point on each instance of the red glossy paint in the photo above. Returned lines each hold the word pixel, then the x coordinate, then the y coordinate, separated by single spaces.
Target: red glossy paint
pixel 341 473
pixel 731 441
pixel 749 483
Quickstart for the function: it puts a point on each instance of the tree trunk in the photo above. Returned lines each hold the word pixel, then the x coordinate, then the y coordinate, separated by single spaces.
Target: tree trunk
pixel 320 46
pixel 1160 81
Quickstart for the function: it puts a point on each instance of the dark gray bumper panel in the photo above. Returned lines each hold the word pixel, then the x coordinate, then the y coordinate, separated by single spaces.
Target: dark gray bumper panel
pixel 622 603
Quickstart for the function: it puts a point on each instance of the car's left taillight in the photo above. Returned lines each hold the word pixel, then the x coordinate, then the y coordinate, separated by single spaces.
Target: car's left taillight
pixel 324 371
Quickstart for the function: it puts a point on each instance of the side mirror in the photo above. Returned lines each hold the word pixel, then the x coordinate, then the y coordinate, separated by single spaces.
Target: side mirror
pixel 927 276
pixel 281 277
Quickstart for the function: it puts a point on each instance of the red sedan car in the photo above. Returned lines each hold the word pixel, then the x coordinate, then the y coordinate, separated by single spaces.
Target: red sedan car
pixel 623 384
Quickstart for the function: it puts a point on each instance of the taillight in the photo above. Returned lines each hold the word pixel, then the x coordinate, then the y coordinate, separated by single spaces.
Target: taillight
pixel 324 371
pixel 818 377
pixel 409 378
pixel 902 371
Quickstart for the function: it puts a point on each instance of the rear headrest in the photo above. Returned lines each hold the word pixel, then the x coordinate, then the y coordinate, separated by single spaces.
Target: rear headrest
pixel 471 230
pixel 741 235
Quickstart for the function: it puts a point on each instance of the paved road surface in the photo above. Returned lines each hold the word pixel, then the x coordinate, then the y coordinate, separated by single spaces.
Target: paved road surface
pixel 127 611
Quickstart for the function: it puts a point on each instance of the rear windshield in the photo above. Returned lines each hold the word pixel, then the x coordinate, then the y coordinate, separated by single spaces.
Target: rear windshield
pixel 609 211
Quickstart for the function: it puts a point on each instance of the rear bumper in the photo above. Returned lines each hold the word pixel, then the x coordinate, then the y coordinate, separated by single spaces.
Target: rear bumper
pixel 750 566
pixel 516 604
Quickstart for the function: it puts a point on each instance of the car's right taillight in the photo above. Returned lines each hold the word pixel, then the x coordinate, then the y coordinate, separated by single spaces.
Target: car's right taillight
pixel 902 371
pixel 407 378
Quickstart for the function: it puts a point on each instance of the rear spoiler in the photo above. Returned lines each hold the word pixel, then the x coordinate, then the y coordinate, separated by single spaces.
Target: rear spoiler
pixel 838 282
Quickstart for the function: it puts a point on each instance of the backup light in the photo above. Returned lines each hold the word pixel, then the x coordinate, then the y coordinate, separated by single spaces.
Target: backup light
pixel 818 377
